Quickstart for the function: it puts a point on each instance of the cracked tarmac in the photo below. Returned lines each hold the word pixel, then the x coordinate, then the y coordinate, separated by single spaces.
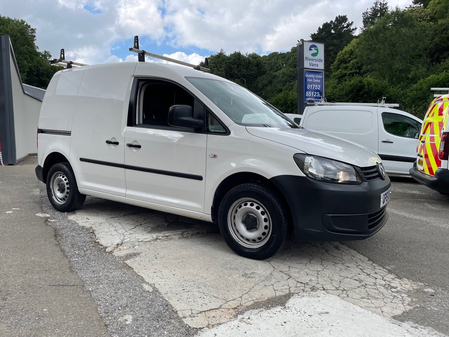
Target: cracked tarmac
pixel 207 284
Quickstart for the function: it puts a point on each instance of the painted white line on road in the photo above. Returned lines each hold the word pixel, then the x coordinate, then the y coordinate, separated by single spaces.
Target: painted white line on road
pixel 317 314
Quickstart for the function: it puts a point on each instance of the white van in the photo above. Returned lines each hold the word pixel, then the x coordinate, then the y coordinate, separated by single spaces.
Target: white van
pixel 182 141
pixel 391 133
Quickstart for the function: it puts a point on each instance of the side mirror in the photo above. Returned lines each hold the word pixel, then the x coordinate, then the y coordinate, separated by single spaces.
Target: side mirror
pixel 182 115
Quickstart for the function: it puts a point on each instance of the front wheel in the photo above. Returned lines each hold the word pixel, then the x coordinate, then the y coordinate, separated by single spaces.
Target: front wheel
pixel 253 221
pixel 62 190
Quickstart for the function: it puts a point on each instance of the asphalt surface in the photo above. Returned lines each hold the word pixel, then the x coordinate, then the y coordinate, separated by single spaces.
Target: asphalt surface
pixel 39 293
pixel 43 294
pixel 56 280
pixel 415 244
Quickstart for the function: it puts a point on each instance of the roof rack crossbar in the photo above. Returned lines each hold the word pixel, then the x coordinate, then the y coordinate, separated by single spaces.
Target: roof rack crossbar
pixel 62 61
pixel 141 56
pixel 387 105
pixel 439 89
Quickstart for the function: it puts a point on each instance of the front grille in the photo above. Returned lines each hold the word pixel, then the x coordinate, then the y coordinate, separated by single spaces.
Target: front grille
pixel 375 219
pixel 370 172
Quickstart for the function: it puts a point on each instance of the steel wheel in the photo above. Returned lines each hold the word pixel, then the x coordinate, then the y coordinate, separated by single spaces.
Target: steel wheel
pixel 60 188
pixel 249 223
pixel 253 221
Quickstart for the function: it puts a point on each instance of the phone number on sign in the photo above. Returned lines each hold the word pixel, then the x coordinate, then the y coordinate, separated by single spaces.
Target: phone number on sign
pixel 312 94
pixel 313 87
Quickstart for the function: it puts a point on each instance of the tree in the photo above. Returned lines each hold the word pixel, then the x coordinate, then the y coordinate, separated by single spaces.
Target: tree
pixel 286 101
pixel 419 95
pixel 394 49
pixel 242 69
pixel 34 66
pixel 362 89
pixel 373 14
pixel 346 64
pixel 335 34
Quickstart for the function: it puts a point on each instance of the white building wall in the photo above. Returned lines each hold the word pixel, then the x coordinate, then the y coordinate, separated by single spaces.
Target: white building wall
pixel 26 115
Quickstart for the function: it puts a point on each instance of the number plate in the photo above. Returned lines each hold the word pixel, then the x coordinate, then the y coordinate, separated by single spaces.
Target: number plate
pixel 385 198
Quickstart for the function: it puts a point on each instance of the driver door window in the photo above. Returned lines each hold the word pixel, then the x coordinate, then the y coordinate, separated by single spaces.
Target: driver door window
pixel 155 99
pixel 400 125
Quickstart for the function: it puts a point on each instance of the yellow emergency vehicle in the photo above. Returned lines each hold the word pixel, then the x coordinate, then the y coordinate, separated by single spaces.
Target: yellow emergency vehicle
pixel 431 166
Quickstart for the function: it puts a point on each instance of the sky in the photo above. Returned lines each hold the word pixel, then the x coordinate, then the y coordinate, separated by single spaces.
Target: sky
pixel 100 31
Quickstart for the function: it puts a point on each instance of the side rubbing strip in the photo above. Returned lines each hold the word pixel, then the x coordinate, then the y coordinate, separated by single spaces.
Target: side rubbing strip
pixel 55 132
pixel 397 158
pixel 143 169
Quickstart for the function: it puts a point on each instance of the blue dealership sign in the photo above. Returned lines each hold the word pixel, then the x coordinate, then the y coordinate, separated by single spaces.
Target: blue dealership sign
pixel 313 85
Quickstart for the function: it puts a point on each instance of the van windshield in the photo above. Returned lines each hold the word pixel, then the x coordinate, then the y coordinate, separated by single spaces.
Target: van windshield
pixel 241 105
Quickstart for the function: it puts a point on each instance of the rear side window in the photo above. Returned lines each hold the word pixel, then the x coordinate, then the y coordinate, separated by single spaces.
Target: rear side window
pixel 341 121
pixel 400 125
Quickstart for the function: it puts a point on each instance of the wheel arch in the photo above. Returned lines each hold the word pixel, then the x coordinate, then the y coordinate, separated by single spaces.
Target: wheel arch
pixel 246 177
pixel 52 159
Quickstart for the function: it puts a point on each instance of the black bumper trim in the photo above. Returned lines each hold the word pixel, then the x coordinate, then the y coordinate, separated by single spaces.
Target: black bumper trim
pixel 40 173
pixel 439 182
pixel 324 211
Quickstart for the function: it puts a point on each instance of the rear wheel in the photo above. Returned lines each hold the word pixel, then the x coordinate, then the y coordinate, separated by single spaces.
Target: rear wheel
pixel 253 221
pixel 62 190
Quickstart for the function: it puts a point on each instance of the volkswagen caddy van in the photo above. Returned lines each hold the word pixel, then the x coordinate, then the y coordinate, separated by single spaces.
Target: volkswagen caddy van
pixel 431 167
pixel 182 141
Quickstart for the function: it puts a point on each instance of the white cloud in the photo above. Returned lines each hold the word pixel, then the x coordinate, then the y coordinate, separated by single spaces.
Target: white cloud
pixel 92 31
pixel 137 17
pixel 194 58
pixel 73 5
pixel 231 25
pixel 113 59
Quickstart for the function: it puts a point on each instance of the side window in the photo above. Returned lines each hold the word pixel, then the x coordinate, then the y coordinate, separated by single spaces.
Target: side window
pixel 400 125
pixel 155 99
pixel 213 125
pixel 340 121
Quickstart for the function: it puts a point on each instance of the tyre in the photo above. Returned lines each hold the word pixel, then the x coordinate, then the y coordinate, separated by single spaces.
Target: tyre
pixel 62 190
pixel 253 221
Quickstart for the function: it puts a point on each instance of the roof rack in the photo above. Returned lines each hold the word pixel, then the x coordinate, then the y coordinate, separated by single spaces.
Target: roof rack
pixel 62 61
pixel 439 89
pixel 380 104
pixel 141 57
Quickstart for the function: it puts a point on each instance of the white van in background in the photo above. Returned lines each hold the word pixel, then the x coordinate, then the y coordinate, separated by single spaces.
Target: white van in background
pixel 389 132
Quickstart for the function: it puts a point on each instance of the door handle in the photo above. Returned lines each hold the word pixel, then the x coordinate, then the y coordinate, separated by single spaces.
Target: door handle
pixel 387 141
pixel 112 142
pixel 136 146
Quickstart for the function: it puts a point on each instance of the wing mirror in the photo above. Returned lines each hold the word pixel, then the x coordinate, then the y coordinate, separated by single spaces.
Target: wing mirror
pixel 182 115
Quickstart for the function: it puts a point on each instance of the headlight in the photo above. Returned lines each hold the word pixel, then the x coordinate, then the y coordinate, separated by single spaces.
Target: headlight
pixel 326 169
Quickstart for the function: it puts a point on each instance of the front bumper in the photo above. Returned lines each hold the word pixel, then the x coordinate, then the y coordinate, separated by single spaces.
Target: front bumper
pixel 323 211
pixel 439 182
